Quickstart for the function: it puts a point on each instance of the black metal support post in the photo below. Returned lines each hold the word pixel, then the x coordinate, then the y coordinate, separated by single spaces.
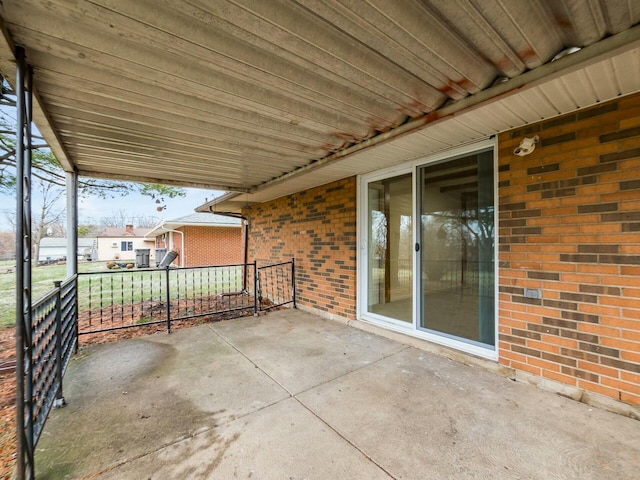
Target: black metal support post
pixel 245 255
pixel 256 294
pixel 293 281
pixel 168 300
pixel 59 401
pixel 72 239
pixel 24 367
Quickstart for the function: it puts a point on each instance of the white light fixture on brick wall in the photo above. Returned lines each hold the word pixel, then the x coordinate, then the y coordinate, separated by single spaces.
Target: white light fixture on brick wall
pixel 527 145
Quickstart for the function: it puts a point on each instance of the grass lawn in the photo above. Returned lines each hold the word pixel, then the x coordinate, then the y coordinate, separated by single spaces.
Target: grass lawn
pixel 118 287
pixel 42 278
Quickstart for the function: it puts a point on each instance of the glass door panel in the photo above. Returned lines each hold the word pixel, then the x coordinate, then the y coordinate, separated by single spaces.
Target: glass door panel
pixel 390 252
pixel 456 200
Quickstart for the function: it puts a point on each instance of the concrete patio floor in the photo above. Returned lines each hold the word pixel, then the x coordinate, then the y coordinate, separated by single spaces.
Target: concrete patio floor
pixel 293 396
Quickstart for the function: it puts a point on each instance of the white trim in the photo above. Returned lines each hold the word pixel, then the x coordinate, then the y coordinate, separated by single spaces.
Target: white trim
pixel 362 225
pixel 496 251
pixel 359 237
pixel 411 330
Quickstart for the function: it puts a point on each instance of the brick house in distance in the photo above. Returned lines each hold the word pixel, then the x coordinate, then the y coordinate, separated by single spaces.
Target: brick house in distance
pixel 200 239
pixel 120 244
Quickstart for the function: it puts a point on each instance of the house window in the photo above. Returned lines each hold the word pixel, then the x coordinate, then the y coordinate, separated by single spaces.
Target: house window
pixel 126 246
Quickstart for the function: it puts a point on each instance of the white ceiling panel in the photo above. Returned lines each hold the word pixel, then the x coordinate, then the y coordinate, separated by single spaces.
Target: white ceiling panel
pixel 271 97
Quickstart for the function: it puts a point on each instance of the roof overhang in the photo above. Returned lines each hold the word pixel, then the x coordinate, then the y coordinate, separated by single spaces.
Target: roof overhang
pixel 166 227
pixel 262 99
pixel 578 80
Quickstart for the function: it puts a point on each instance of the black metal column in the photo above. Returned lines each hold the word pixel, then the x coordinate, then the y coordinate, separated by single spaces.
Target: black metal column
pixel 293 282
pixel 168 293
pixel 59 401
pixel 24 366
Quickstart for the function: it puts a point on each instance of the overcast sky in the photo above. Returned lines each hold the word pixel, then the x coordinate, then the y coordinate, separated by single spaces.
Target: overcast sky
pixel 92 209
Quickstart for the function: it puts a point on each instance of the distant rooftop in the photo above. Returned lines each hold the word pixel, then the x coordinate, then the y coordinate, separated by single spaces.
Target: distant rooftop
pixel 200 219
pixel 62 242
pixel 123 232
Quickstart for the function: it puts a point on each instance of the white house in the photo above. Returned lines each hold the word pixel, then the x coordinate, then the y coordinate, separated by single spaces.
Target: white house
pixel 55 248
pixel 117 243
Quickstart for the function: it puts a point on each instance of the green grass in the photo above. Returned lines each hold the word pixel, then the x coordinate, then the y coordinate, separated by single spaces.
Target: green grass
pixel 119 287
pixel 42 279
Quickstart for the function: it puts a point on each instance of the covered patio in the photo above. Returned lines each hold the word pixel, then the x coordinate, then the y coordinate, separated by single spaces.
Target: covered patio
pixel 298 109
pixel 291 396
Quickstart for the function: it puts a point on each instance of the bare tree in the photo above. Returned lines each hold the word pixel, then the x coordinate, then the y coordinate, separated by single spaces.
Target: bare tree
pixel 50 215
pixel 121 218
pixel 146 222
pixel 7 245
pixel 117 219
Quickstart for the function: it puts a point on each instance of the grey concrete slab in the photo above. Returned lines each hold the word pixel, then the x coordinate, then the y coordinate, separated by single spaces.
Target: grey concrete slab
pixel 300 350
pixel 283 441
pixel 129 398
pixel 292 396
pixel 423 416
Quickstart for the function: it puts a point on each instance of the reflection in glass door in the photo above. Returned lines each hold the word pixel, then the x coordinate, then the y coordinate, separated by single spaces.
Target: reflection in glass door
pixel 390 252
pixel 456 203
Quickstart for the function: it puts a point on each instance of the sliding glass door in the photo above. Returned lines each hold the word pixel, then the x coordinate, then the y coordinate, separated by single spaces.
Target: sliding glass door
pixel 390 253
pixel 427 258
pixel 456 211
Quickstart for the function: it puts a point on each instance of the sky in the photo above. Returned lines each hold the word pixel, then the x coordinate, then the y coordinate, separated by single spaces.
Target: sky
pixel 92 209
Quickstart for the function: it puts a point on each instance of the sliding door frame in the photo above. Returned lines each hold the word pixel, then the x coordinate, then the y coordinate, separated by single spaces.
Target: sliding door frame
pixel 413 328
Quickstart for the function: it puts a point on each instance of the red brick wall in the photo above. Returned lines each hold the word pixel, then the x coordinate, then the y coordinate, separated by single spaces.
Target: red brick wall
pixel 210 245
pixel 318 228
pixel 570 226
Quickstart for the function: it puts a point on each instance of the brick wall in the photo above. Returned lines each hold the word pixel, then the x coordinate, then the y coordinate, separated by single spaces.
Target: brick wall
pixel 210 245
pixel 570 226
pixel 318 228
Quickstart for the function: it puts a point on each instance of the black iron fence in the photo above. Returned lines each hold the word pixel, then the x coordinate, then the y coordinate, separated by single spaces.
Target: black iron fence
pixel 120 299
pixel 97 302
pixel 276 285
pixel 53 337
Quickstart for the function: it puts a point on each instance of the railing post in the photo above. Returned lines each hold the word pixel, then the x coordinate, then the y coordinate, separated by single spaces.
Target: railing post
pixel 24 367
pixel 77 319
pixel 293 281
pixel 168 300
pixel 59 401
pixel 255 288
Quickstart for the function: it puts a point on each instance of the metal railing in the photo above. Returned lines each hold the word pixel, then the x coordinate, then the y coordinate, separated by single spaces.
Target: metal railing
pixel 120 299
pixel 276 285
pixel 53 338
pixel 104 301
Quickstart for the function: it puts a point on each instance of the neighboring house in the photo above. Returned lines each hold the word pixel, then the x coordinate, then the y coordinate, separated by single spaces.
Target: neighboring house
pixel 53 248
pixel 116 243
pixel 201 239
